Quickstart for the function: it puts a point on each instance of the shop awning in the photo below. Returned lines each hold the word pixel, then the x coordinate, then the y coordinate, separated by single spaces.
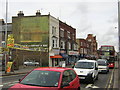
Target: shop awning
pixel 64 55
pixel 56 56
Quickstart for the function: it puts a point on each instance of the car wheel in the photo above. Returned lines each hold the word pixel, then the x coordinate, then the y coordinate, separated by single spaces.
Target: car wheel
pixel 25 64
pixel 78 88
pixel 92 80
pixel 97 77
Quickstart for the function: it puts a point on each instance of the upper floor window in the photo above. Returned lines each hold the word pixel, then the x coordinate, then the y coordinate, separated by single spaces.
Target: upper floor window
pixel 81 44
pixel 54 30
pixel 73 36
pixel 54 43
pixel 69 45
pixel 62 45
pixel 68 34
pixel 61 32
pixel 75 46
pixel 89 40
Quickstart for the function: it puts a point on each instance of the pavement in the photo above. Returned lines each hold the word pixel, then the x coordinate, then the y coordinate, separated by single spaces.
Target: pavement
pixel 22 70
pixel 116 75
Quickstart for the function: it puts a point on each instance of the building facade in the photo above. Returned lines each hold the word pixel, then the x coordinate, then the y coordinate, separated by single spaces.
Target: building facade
pixel 68 45
pixel 42 33
pixel 83 48
pixel 93 46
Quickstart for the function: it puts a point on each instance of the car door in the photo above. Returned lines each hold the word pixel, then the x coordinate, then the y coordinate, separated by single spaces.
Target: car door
pixel 70 78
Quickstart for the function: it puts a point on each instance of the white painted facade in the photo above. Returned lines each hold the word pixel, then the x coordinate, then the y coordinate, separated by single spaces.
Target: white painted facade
pixel 53 37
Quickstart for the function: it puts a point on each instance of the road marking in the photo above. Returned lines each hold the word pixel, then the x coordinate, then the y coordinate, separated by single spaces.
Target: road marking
pixel 89 86
pixel 95 87
pixel 1 85
pixel 111 78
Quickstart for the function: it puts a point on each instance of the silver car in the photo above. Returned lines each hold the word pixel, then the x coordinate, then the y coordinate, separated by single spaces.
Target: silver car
pixel 103 66
pixel 31 63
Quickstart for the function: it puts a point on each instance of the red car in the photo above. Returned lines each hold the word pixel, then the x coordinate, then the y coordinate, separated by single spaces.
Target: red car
pixel 52 78
pixel 111 65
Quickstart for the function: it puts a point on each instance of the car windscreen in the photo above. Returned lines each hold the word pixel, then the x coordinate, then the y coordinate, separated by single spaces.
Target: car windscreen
pixel 84 65
pixel 42 78
pixel 102 63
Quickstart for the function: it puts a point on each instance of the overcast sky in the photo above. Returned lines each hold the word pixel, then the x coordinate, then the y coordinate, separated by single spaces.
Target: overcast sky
pixel 97 17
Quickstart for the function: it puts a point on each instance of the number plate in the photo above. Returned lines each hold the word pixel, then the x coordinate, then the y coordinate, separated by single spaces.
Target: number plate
pixel 82 77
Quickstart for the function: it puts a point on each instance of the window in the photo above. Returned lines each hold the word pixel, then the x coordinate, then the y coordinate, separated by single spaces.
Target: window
pixel 89 40
pixel 72 74
pixel 75 46
pixel 81 50
pixel 54 43
pixel 69 45
pixel 54 30
pixel 68 76
pixel 73 36
pixel 81 43
pixel 62 45
pixel 68 33
pixel 61 32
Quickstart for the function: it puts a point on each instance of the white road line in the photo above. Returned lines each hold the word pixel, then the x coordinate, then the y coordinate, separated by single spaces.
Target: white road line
pixel 95 87
pixel 89 86
pixel 1 85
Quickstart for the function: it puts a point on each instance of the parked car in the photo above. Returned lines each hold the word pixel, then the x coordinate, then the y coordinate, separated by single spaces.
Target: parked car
pixel 87 70
pixel 31 63
pixel 52 78
pixel 103 66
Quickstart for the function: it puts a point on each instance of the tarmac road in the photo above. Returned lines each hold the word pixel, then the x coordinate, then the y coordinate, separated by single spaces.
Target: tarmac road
pixel 8 81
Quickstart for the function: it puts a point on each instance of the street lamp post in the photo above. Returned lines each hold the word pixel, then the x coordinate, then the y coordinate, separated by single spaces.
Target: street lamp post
pixel 6 35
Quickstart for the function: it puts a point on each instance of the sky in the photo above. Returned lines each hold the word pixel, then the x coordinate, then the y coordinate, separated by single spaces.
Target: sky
pixel 97 17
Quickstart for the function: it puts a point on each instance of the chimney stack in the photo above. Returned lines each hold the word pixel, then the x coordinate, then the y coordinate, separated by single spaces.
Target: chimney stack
pixel 38 13
pixel 20 14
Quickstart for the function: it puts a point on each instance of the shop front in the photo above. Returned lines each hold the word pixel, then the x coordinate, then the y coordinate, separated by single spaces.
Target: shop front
pixel 73 56
pixel 55 58
pixel 65 57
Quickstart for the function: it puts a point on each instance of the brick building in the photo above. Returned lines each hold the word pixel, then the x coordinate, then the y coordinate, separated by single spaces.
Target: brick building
pixel 93 46
pixel 68 45
pixel 83 48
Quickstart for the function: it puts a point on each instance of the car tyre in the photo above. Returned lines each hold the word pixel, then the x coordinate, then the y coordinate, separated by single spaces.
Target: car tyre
pixel 97 77
pixel 78 88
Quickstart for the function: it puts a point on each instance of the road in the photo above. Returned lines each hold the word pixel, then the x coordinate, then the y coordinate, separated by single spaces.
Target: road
pixel 8 81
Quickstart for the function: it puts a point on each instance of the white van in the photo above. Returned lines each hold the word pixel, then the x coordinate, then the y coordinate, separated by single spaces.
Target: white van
pixel 87 70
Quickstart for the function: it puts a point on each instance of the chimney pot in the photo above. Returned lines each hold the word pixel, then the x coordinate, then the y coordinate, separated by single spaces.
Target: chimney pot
pixel 20 14
pixel 38 13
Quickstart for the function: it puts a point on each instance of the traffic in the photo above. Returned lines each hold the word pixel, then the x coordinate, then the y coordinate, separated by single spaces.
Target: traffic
pixel 85 72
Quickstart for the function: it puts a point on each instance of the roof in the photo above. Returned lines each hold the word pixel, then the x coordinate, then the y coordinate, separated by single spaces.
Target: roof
pixel 57 69
pixel 86 60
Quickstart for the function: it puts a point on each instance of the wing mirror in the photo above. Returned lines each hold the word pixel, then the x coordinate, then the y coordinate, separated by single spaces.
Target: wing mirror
pixel 96 68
